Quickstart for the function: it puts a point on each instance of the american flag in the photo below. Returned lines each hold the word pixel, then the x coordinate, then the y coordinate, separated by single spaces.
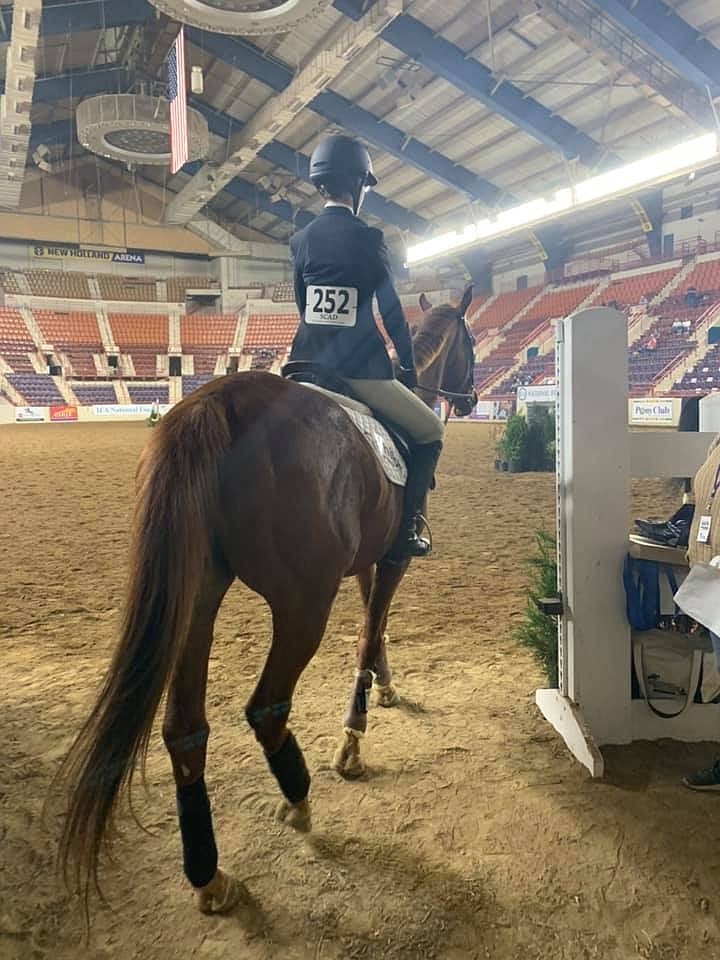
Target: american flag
pixel 177 95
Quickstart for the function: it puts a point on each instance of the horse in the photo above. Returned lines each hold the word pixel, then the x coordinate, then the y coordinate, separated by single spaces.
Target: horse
pixel 262 479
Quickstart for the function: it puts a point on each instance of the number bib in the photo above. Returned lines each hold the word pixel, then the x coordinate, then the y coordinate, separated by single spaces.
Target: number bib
pixel 331 306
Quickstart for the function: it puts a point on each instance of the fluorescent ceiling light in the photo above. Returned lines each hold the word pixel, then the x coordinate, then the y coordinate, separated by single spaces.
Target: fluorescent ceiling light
pixel 686 156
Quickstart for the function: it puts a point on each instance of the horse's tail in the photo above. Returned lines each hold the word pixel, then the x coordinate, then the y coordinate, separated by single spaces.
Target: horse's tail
pixel 177 492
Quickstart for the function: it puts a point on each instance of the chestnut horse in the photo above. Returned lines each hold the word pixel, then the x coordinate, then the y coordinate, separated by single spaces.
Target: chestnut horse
pixel 265 480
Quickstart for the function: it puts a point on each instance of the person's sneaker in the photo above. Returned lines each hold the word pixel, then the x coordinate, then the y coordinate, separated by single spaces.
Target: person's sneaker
pixel 708 779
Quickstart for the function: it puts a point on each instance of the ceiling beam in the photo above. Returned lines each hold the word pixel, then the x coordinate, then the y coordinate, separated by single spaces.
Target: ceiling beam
pixel 297 163
pixel 250 60
pixel 105 79
pixel 475 80
pixel 80 83
pixel 602 38
pixel 63 132
pixel 661 30
pixel 326 62
pixel 68 18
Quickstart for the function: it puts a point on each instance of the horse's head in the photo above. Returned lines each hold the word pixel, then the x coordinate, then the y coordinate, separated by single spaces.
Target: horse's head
pixel 457 379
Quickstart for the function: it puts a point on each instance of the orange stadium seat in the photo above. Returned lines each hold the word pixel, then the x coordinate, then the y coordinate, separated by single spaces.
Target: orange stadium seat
pixel 627 292
pixel 74 334
pixel 15 340
pixel 203 330
pixel 705 277
pixel 559 302
pixel 273 330
pixel 503 309
pixel 140 329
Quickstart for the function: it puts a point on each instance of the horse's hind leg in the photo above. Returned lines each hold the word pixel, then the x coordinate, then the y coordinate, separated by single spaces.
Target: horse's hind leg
pixel 370 658
pixel 185 731
pixel 386 693
pixel 299 620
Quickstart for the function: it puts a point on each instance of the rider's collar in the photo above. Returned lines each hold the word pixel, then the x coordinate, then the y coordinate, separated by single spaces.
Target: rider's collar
pixel 334 203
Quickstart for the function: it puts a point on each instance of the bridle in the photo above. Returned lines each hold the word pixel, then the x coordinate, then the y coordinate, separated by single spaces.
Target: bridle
pixel 470 397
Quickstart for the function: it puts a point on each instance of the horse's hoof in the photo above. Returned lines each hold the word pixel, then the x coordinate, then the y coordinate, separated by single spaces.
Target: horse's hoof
pixel 221 894
pixel 295 815
pixel 347 760
pixel 387 696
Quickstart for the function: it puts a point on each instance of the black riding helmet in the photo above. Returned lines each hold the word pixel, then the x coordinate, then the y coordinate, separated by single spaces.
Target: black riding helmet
pixel 342 165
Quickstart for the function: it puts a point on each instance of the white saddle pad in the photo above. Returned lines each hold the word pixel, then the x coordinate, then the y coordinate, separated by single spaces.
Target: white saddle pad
pixel 375 433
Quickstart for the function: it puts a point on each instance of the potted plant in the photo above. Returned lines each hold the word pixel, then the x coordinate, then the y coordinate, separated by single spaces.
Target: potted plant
pixel 514 441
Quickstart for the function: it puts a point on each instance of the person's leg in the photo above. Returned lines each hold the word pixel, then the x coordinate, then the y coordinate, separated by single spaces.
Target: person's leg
pixel 709 778
pixel 395 403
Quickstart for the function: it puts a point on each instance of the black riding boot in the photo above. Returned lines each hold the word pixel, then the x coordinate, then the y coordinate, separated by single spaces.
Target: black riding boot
pixel 421 470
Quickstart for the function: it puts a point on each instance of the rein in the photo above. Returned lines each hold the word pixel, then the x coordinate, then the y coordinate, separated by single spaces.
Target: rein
pixel 448 394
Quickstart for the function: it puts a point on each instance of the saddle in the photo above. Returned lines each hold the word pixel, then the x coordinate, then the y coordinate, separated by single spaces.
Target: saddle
pixel 389 444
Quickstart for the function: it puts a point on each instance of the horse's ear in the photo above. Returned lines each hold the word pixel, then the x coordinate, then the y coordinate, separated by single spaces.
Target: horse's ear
pixel 466 300
pixel 425 304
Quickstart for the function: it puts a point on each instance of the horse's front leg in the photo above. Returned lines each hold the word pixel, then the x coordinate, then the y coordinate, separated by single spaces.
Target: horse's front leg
pixel 371 659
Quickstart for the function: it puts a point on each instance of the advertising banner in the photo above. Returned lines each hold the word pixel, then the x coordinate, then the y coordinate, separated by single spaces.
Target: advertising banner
pixel 652 410
pixel 545 393
pixel 29 414
pixel 70 252
pixel 127 409
pixel 63 413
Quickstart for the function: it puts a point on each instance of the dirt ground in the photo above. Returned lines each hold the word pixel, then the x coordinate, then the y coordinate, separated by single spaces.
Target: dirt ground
pixel 474 836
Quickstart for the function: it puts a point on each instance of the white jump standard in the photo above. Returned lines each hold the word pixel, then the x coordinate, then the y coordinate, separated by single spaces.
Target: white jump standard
pixel 596 457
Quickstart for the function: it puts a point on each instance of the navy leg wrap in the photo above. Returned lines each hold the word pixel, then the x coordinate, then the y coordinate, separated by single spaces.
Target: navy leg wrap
pixel 288 765
pixel 199 851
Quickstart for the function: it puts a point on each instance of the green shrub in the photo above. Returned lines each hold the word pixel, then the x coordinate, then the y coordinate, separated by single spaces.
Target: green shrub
pixel 513 441
pixel 538 631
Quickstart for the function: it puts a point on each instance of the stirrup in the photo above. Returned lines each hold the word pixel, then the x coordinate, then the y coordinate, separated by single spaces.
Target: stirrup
pixel 400 550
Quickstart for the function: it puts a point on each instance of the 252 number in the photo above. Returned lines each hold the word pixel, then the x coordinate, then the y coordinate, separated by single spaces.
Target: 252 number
pixel 326 301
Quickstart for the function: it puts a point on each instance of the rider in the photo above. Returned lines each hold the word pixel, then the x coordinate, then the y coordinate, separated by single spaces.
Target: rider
pixel 339 264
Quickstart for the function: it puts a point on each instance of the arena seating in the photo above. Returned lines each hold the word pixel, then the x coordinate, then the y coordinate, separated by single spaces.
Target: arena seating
pixel 284 293
pixel 503 309
pixel 646 365
pixel 273 330
pixel 559 302
pixel 36 388
pixel 58 283
pixel 703 376
pixel 262 357
pixel 628 291
pixel 705 277
pixel 143 336
pixel 207 330
pixel 8 282
pixel 140 329
pixel 138 289
pixel 503 356
pixel 89 393
pixel 15 341
pixel 535 370
pixel 192 383
pixel 177 286
pixel 74 334
pixel 149 393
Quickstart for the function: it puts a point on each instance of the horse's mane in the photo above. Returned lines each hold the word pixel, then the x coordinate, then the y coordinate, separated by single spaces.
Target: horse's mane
pixel 431 332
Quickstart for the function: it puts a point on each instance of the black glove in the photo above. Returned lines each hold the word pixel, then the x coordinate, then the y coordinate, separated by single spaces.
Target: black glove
pixel 407 377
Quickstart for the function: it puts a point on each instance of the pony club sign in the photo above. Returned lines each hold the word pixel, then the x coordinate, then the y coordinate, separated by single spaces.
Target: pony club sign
pixel 63 413
pixel 652 410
